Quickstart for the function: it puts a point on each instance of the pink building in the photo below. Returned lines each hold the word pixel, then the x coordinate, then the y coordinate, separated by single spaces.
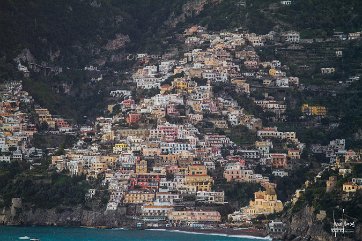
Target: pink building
pixel 133 118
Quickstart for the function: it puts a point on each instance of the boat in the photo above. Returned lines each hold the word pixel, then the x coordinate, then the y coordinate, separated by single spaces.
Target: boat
pixel 24 237
pixel 140 226
pixel 34 239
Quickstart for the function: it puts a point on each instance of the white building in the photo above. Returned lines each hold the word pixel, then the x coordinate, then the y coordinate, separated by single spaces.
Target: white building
pixel 291 37
pixel 286 3
pixel 280 173
pixel 112 206
pixel 4 158
pixel 210 197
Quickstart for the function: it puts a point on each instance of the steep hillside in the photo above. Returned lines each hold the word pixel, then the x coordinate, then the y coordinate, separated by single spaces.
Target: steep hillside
pixel 81 29
pixel 71 32
pixel 75 33
pixel 314 18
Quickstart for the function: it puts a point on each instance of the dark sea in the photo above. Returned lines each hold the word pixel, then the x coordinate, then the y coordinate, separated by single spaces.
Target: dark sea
pixel 89 234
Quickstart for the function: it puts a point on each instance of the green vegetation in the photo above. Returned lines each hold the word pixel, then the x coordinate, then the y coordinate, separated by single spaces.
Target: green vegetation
pixel 344 108
pixel 48 140
pixel 313 18
pixel 240 192
pixel 319 18
pixel 40 188
pixel 316 196
pixel 241 135
pixel 79 30
pixel 76 27
pixel 84 99
pixel 286 186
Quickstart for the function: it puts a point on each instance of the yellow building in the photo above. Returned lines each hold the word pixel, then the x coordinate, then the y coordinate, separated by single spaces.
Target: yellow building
pixel 110 160
pixel 196 106
pixel 202 183
pixel 294 154
pixel 141 166
pixel 265 202
pixel 99 167
pixel 44 116
pixel 199 170
pixel 138 197
pixel 273 72
pixel 351 187
pixel 168 159
pixel 110 108
pixel 196 175
pixel 314 110
pixel 180 84
pixel 120 147
pixel 108 136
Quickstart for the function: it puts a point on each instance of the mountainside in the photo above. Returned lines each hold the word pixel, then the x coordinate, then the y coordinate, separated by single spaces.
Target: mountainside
pixel 285 109
pixel 72 32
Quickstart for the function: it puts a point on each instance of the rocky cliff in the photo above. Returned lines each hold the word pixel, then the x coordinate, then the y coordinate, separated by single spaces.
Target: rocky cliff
pixel 76 216
pixel 303 225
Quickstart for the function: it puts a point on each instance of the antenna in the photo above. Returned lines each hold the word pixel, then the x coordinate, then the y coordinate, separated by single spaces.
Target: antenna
pixel 334 226
pixel 343 222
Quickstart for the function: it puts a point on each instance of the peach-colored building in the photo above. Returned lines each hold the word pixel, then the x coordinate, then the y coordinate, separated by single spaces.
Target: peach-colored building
pixel 351 187
pixel 279 160
pixel 294 154
pixel 133 118
pixel 194 216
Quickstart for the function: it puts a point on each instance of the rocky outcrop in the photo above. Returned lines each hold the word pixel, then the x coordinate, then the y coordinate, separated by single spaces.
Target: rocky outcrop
pixel 303 225
pixel 25 56
pixel 119 42
pixel 76 216
pixel 190 8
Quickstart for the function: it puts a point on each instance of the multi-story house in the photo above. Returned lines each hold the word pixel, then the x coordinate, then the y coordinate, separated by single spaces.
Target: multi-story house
pixel 279 160
pixel 264 203
pixel 138 197
pixel 210 197
pixel 188 217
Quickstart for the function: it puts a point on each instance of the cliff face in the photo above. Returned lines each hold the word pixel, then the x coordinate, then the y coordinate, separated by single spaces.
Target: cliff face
pixel 304 225
pixel 76 216
pixel 189 9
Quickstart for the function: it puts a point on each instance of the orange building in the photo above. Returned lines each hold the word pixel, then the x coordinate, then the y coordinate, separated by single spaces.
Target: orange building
pixel 133 118
pixel 279 160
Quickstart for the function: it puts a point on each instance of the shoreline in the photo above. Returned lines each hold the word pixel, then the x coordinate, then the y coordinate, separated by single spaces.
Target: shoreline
pixel 216 232
pixel 224 232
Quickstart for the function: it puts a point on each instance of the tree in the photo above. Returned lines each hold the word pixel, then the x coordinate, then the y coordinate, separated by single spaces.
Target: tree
pixel 43 126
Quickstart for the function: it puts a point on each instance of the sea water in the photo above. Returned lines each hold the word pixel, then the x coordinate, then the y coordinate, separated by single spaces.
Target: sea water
pixel 89 234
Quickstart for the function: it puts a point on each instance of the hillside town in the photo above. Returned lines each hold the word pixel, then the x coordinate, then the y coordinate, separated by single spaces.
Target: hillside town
pixel 164 158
